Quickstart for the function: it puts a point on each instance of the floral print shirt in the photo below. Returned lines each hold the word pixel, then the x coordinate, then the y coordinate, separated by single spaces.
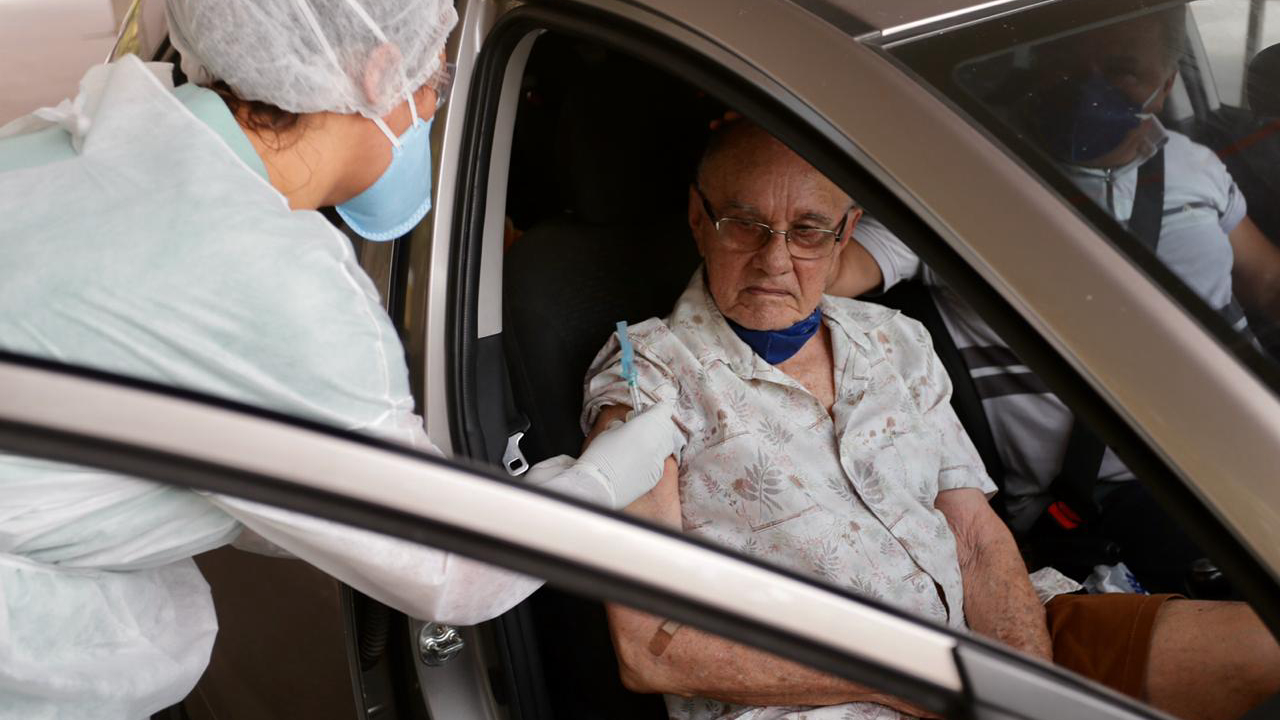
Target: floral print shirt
pixel 847 497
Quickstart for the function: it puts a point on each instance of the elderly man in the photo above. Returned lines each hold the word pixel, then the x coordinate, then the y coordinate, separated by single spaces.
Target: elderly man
pixel 820 437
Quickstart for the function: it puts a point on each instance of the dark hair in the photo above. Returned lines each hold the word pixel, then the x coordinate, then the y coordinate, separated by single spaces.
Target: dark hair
pixel 263 118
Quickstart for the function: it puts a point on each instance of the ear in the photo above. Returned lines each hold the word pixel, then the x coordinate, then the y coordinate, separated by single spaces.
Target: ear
pixel 1157 106
pixel 854 216
pixel 382 63
pixel 842 244
pixel 695 219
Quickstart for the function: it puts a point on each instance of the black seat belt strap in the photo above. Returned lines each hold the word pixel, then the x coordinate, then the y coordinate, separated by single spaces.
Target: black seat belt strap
pixel 1148 202
pixel 1072 489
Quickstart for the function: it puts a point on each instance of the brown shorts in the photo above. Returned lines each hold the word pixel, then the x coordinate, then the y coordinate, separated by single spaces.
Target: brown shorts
pixel 1106 638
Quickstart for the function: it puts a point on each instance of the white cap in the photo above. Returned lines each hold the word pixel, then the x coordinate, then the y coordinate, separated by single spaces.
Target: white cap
pixel 344 56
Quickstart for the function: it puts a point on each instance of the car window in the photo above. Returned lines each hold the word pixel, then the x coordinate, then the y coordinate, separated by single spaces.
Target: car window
pixel 1118 111
pixel 1233 34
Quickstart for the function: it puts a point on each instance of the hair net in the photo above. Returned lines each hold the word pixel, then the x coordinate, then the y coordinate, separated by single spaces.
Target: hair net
pixel 342 56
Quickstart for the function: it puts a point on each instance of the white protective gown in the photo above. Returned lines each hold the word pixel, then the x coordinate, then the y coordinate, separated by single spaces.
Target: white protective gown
pixel 156 253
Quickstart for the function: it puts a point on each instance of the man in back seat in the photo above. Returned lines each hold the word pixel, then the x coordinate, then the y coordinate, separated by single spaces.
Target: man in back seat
pixel 819 437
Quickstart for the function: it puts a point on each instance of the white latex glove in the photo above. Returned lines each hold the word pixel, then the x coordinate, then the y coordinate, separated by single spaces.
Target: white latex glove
pixel 621 464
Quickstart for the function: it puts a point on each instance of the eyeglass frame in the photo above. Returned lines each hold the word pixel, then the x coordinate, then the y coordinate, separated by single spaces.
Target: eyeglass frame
pixel 716 219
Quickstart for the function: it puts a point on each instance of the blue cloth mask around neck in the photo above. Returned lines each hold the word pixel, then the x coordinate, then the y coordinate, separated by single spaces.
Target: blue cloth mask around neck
pixel 1082 120
pixel 401 196
pixel 777 346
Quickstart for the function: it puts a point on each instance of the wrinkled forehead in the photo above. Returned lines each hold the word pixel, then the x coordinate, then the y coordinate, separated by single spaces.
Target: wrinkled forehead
pixel 756 169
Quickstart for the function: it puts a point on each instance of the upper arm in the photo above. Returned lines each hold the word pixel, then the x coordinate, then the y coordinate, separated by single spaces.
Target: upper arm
pixel 856 273
pixel 972 521
pixel 964 507
pixel 1256 257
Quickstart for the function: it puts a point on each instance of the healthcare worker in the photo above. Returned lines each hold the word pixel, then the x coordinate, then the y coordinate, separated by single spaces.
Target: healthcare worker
pixel 172 235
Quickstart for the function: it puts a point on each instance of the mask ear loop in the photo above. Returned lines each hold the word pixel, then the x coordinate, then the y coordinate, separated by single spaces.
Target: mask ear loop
pixel 1142 110
pixel 395 141
pixel 413 108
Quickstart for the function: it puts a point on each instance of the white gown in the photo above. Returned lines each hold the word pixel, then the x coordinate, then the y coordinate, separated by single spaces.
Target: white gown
pixel 156 253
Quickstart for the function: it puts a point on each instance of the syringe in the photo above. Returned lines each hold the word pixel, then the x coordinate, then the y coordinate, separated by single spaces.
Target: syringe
pixel 628 365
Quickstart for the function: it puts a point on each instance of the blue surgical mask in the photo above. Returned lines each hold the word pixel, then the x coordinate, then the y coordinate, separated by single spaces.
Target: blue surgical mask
pixel 401 196
pixel 777 346
pixel 1083 120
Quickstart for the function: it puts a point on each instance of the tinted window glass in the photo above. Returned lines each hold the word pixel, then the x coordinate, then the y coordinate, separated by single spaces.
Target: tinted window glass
pixel 1146 116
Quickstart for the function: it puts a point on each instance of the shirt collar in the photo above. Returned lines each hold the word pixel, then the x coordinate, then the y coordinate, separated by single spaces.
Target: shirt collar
pixel 703 328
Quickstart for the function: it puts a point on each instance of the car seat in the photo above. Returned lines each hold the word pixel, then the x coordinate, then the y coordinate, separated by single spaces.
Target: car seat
pixel 615 247
pixel 1247 140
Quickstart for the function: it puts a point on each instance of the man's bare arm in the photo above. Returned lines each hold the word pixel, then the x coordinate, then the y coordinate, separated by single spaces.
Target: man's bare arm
pixel 998 599
pixel 856 273
pixel 659 656
pixel 1255 272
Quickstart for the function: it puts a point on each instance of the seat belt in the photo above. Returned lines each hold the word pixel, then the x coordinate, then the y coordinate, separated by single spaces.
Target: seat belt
pixel 1148 202
pixel 1072 489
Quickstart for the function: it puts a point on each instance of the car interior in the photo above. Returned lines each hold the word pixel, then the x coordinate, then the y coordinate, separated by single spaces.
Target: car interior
pixel 604 148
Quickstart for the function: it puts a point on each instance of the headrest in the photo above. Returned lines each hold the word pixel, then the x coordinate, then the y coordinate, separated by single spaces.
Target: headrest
pixel 628 137
pixel 1262 83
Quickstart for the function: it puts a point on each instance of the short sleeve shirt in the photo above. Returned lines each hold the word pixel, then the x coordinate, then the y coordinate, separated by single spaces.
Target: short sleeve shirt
pixel 1202 205
pixel 847 497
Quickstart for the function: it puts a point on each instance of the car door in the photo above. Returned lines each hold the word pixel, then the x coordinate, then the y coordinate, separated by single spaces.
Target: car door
pixel 851 101
pixel 69 415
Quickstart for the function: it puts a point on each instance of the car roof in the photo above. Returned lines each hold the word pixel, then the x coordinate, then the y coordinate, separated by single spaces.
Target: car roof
pixel 891 17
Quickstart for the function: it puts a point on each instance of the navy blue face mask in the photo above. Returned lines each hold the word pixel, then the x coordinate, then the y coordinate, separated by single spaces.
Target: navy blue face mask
pixel 777 346
pixel 1083 120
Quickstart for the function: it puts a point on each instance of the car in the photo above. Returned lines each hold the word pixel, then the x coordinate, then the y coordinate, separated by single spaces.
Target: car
pixel 563 158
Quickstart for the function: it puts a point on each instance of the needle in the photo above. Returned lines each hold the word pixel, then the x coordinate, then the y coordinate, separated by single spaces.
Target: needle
pixel 628 364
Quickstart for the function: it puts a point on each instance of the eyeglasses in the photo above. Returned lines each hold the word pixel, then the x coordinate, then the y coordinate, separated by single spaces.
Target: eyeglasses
pixel 441 81
pixel 804 242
